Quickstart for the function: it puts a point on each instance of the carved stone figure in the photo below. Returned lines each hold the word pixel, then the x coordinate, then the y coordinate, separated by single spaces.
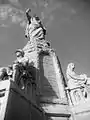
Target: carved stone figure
pixel 34 28
pixel 10 71
pixel 74 80
pixel 88 81
pixel 19 65
pixel 27 79
pixel 35 32
pixel 3 73
pixel 76 83
pixel 28 15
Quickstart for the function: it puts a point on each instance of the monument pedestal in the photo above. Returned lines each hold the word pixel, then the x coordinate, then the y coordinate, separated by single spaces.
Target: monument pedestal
pixel 16 105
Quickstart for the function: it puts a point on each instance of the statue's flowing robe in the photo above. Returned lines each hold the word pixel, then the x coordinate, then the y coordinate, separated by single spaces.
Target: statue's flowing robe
pixel 74 80
pixel 35 30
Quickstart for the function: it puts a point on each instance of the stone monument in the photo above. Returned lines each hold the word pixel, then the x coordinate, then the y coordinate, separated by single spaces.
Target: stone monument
pixel 35 82
pixel 49 78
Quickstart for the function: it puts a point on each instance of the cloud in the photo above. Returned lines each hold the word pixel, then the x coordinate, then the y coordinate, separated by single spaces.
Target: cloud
pixel 15 2
pixel 3 13
pixel 3 25
pixel 23 23
pixel 48 12
pixel 10 13
pixel 16 19
pixel 67 12
pixel 49 9
pixel 34 4
pixel 17 16
pixel 51 18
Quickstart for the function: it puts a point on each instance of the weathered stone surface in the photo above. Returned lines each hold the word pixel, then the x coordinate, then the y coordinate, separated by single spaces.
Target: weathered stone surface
pixel 83 116
pixel 57 111
pixel 48 77
pixel 4 93
pixel 76 85
pixel 47 91
pixel 14 104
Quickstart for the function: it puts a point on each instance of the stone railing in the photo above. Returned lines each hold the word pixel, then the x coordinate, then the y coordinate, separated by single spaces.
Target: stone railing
pixel 77 95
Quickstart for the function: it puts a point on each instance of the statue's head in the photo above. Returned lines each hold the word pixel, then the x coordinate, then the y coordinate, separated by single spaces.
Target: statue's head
pixel 19 53
pixel 10 67
pixel 71 66
pixel 37 18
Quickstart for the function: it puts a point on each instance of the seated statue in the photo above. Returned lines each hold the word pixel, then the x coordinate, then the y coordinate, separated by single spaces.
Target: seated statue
pixel 76 84
pixel 75 80
pixel 34 28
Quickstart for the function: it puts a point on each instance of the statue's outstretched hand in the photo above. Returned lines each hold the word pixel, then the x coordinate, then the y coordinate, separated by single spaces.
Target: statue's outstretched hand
pixel 84 77
pixel 28 10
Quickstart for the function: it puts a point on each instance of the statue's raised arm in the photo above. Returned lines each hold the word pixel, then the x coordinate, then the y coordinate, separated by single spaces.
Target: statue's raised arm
pixel 28 15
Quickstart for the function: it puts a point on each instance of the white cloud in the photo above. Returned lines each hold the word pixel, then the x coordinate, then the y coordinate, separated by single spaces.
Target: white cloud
pixel 49 22
pixel 49 9
pixel 9 13
pixel 3 13
pixel 15 19
pixel 3 25
pixel 23 23
pixel 15 2
pixel 34 3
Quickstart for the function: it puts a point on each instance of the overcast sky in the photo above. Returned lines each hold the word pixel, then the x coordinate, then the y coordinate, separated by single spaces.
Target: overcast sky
pixel 67 23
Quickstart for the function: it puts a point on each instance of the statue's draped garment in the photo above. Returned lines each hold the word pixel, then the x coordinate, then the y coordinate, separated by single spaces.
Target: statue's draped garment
pixel 74 80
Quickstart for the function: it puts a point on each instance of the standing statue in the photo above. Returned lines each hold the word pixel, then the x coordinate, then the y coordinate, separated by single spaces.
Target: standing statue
pixel 34 28
pixel 76 83
pixel 19 66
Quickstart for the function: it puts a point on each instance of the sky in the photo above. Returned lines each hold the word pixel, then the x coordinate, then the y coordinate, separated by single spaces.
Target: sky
pixel 68 29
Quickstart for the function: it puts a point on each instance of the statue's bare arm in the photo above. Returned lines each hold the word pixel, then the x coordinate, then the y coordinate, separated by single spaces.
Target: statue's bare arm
pixel 74 76
pixel 28 15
